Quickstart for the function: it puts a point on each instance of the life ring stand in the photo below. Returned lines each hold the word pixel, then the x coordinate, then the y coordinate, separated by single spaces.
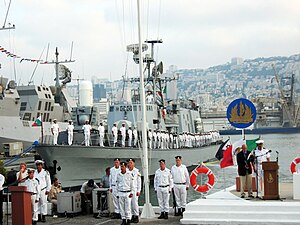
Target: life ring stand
pixel 294 164
pixel 211 179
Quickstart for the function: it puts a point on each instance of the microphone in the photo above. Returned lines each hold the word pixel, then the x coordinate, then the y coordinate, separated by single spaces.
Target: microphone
pixel 270 151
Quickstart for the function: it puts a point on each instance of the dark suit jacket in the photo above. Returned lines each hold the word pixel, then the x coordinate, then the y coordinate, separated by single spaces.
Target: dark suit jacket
pixel 244 165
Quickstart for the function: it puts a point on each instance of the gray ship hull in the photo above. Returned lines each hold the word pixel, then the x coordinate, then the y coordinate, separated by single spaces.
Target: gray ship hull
pixel 76 164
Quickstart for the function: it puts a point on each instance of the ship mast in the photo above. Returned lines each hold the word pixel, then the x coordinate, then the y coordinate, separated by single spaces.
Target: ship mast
pixel 148 211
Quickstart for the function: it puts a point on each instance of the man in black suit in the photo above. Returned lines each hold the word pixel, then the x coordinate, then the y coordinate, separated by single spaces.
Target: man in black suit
pixel 244 162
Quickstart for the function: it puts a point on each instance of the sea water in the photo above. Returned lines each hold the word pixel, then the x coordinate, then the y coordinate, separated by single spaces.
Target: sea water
pixel 287 146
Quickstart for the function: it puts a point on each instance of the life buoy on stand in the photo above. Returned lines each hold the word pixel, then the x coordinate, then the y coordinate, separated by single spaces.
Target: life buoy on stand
pixel 211 179
pixel 294 164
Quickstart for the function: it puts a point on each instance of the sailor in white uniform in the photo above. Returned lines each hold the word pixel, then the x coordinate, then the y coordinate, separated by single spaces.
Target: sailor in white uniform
pixel 113 186
pixel 43 177
pixel 33 186
pixel 135 137
pixel 150 136
pixel 125 192
pixel 181 179
pixel 87 133
pixel 114 131
pixel 123 134
pixel 136 191
pixel 70 129
pixel 261 155
pixel 163 184
pixel 55 131
pixel 129 132
pixel 154 138
pixel 101 134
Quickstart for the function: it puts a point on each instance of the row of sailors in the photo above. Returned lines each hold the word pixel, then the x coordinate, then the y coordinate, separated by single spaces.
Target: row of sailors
pixel 125 185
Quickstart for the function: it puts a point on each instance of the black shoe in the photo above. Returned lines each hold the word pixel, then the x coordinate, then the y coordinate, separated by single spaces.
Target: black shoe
pixel 127 222
pixel 179 213
pixel 166 216
pixel 116 216
pixel 43 220
pixel 39 218
pixel 162 215
pixel 123 222
pixel 34 222
pixel 135 219
pixel 183 209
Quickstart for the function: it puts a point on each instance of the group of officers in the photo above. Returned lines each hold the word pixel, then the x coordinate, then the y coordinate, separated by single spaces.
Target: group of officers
pixel 246 160
pixel 125 186
pixel 38 183
pixel 157 139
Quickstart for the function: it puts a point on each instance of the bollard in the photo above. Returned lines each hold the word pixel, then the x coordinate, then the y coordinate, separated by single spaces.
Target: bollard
pixel 21 205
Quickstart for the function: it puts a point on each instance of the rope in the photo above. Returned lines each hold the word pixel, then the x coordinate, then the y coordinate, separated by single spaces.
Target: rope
pixel 7 13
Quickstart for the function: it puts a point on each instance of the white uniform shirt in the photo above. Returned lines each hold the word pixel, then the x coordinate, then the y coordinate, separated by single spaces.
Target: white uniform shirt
pixel 44 179
pixel 2 180
pixel 70 128
pixel 55 128
pixel 123 131
pixel 101 130
pixel 86 129
pixel 86 189
pixel 124 182
pixel 137 181
pixel 23 176
pixel 180 174
pixel 33 186
pixel 135 133
pixel 129 133
pixel 113 176
pixel 261 155
pixel 150 135
pixel 114 131
pixel 163 178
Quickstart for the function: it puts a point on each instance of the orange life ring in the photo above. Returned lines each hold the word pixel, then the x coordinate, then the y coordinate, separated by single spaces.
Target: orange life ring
pixel 293 165
pixel 211 179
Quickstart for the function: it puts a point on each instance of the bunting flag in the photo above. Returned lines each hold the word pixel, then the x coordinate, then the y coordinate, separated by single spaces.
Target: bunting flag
pixel 37 122
pixel 12 55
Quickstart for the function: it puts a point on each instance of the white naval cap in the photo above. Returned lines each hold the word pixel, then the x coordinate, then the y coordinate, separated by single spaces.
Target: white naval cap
pixel 259 142
pixel 39 162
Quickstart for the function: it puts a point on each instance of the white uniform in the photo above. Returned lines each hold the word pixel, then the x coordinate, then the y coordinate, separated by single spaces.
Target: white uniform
pixel 113 186
pixel 123 134
pixel 45 184
pixel 114 131
pixel 262 156
pixel 129 132
pixel 23 177
pixel 70 129
pixel 135 137
pixel 101 135
pixel 125 188
pixel 87 134
pixel 154 139
pixel 137 186
pixel 85 189
pixel 33 186
pixel 163 184
pixel 55 131
pixel 150 136
pixel 181 178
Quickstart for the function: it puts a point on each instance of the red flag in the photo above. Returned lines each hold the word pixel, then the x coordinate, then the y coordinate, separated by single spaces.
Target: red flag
pixel 228 154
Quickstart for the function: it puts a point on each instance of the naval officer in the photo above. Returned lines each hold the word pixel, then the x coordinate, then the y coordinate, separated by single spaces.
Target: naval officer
pixel 114 131
pixel 123 134
pixel 33 186
pixel 125 192
pixel 70 129
pixel 101 134
pixel 163 184
pixel 43 177
pixel 261 155
pixel 181 178
pixel 55 131
pixel 113 187
pixel 87 133
pixel 129 132
pixel 136 191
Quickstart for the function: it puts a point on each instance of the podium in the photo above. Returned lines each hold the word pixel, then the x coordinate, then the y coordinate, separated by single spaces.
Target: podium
pixel 271 190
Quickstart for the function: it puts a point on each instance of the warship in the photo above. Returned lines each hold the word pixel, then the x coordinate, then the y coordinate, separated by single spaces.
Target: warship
pixel 74 164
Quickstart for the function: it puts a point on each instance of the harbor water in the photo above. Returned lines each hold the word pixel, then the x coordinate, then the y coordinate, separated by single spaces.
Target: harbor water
pixel 287 146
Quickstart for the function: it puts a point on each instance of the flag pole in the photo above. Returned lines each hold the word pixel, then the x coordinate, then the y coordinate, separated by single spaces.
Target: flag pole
pixel 42 129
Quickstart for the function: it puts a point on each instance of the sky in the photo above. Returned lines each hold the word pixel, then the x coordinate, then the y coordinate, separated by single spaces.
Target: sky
pixel 195 34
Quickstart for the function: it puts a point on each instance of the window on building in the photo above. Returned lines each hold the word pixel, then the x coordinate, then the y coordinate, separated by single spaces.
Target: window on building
pixel 40 105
